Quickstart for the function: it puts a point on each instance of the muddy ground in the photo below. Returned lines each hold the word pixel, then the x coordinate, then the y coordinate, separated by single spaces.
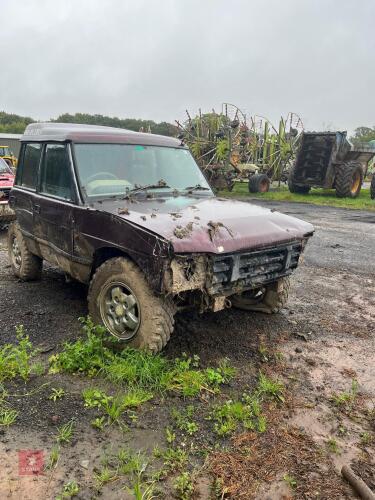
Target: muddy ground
pixel 318 346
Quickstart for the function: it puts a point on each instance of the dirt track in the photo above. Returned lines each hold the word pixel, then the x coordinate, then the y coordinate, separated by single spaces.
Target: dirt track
pixel 326 337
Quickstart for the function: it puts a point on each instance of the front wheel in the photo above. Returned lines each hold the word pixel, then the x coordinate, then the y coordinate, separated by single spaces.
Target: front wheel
pixel 25 265
pixel 120 299
pixel 269 299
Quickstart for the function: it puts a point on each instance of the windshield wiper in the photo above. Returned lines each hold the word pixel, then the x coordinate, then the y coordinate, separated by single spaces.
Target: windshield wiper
pixel 159 184
pixel 197 187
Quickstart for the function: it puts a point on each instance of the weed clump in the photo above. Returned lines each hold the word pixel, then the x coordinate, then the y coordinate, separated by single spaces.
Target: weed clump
pixel 247 412
pixel 113 406
pixel 136 368
pixel 15 359
pixel 85 355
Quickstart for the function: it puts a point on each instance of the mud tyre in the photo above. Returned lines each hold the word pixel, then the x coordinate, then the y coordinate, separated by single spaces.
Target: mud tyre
pixel 348 179
pixel 259 183
pixel 271 299
pixel 25 265
pixel 120 298
pixel 372 187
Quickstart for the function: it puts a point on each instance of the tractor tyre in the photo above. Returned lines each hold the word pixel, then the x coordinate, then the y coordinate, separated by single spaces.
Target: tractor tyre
pixel 348 179
pixel 120 298
pixel 372 187
pixel 259 183
pixel 269 299
pixel 296 188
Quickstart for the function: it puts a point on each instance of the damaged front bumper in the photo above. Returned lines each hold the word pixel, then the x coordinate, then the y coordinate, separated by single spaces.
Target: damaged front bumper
pixel 217 277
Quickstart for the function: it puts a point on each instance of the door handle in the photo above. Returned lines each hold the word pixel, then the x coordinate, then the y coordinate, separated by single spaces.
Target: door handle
pixel 36 209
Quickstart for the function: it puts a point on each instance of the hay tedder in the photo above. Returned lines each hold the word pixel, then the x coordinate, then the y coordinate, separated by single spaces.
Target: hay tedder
pixel 328 160
pixel 229 147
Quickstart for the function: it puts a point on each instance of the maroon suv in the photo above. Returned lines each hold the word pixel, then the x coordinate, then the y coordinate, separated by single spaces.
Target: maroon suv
pixel 132 215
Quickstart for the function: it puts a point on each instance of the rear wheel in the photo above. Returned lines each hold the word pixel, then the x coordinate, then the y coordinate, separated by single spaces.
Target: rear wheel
pixel 269 299
pixel 348 179
pixel 25 265
pixel 372 188
pixel 259 183
pixel 120 298
pixel 296 188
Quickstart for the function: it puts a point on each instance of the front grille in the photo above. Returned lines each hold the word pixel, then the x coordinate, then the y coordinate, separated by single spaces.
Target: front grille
pixel 4 193
pixel 253 269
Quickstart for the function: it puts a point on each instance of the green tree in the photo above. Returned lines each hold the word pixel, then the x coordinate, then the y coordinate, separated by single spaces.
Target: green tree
pixel 13 124
pixel 134 124
pixel 363 134
pixel 16 124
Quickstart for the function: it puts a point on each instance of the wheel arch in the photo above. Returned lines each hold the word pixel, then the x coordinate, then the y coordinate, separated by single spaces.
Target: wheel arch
pixel 102 254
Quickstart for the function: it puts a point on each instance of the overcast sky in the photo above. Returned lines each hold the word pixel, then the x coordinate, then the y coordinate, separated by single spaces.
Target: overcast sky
pixel 155 58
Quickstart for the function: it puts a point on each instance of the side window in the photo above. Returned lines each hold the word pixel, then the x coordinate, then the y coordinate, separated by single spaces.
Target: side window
pixel 30 166
pixel 56 176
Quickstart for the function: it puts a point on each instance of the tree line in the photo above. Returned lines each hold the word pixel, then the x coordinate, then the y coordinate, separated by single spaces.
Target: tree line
pixel 16 124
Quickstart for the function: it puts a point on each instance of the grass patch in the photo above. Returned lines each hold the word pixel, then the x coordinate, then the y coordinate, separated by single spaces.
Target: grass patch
pixel 290 481
pixel 346 399
pixel 65 433
pixel 184 486
pixel 15 359
pixel 325 197
pixel 248 411
pixel 130 465
pixel 7 417
pixel 56 393
pixel 113 406
pixel 332 445
pixel 173 458
pixel 135 368
pixel 70 489
pixel 184 421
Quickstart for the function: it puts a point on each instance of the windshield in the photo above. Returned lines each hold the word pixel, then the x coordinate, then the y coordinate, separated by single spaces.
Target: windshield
pixel 115 169
pixel 4 151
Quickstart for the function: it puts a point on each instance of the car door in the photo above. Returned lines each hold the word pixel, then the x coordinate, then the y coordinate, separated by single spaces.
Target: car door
pixel 22 196
pixel 54 205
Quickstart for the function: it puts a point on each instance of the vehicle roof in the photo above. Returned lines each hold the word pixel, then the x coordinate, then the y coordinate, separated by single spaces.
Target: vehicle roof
pixel 63 132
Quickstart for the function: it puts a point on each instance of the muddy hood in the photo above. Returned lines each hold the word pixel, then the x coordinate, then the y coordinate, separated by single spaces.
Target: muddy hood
pixel 213 225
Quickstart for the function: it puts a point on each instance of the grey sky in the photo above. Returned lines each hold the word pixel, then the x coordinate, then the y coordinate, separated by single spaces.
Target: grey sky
pixel 155 58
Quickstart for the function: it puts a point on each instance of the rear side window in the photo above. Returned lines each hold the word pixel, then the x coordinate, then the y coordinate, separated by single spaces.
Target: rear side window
pixel 30 166
pixel 56 177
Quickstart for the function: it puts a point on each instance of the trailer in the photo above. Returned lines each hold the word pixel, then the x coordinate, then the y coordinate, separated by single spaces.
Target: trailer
pixel 328 160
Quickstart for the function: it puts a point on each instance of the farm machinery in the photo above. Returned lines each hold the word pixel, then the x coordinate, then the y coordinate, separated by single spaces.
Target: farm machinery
pixel 7 155
pixel 229 147
pixel 328 160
